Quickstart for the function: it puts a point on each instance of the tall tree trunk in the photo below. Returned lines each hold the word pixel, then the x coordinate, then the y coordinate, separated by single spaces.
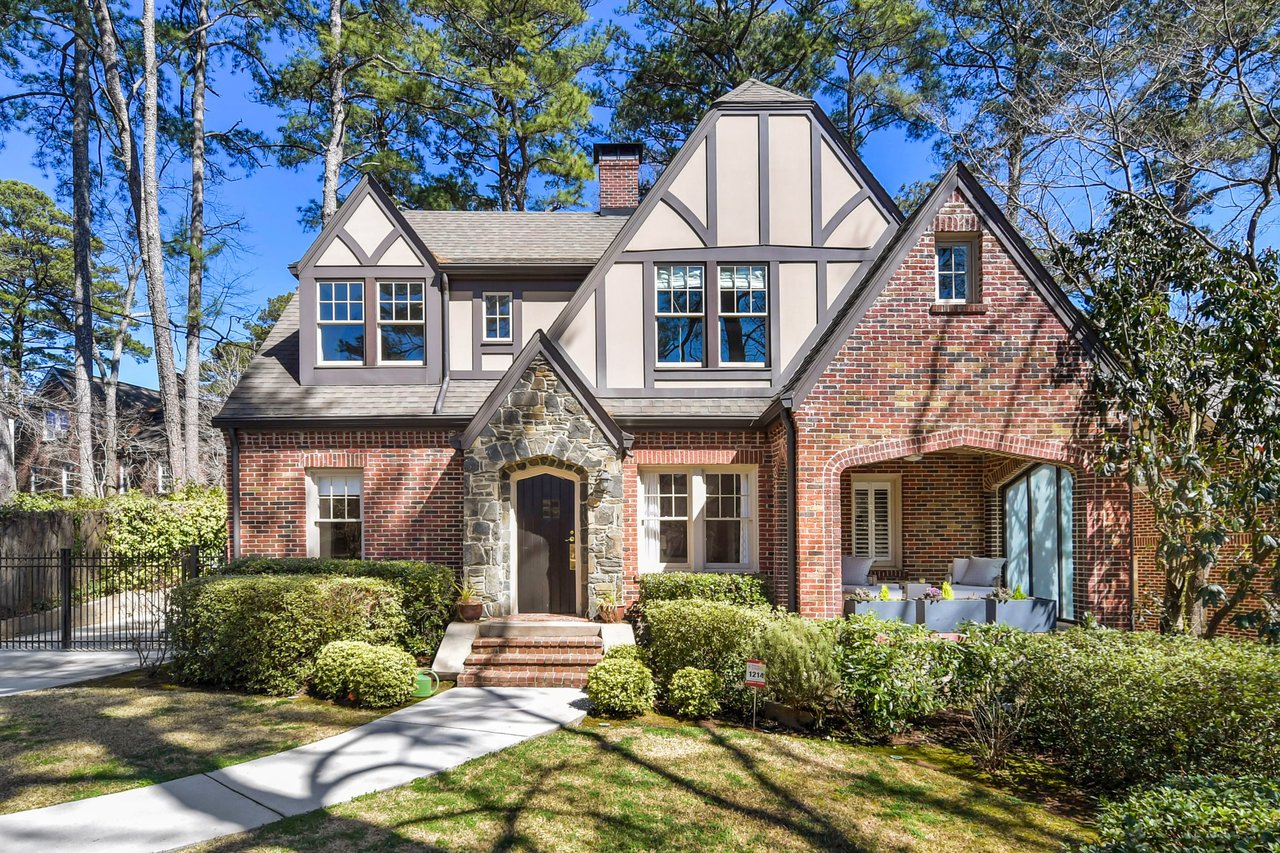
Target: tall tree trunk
pixel 157 297
pixel 1013 192
pixel 82 248
pixel 333 150
pixel 111 382
pixel 195 263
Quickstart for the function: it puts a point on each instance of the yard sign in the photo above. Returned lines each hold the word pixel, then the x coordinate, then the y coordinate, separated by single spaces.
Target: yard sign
pixel 755 674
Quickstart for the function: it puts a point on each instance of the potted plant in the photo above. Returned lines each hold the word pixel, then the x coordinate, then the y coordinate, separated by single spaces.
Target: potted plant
pixel 1015 609
pixel 470 605
pixel 940 610
pixel 882 606
pixel 609 604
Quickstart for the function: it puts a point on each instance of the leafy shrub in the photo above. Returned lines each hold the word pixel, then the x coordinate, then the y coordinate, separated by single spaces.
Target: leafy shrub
pixel 1212 814
pixel 1126 708
pixel 801 660
pixel 694 693
pixel 373 676
pixel 427 590
pixel 704 634
pixel 262 632
pixel 892 673
pixel 746 590
pixel 989 685
pixel 628 651
pixel 620 688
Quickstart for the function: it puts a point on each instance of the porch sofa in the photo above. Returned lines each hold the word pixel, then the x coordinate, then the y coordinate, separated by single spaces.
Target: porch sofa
pixel 970 577
pixel 856 576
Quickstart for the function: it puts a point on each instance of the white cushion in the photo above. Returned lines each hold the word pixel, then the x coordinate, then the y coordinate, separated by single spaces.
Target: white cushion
pixel 958 567
pixel 984 571
pixel 854 570
pixel 967 591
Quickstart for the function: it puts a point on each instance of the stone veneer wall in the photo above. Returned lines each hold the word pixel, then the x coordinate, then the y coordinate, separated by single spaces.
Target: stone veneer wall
pixel 541 423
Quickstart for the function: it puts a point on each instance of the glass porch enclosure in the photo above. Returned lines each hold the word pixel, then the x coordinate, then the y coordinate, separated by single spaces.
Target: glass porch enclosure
pixel 1038 542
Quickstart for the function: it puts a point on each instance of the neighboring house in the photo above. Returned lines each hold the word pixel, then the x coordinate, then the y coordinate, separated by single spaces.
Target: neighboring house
pixel 47 458
pixel 759 367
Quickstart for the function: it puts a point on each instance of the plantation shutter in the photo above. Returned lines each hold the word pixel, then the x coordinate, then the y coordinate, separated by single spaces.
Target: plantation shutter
pixel 744 512
pixel 873 522
pixel 649 523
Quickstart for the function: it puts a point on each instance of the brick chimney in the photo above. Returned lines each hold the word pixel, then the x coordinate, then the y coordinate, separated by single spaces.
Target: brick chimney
pixel 619 164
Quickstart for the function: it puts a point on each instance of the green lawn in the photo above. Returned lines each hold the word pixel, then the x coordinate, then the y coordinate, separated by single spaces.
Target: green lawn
pixel 126 731
pixel 659 785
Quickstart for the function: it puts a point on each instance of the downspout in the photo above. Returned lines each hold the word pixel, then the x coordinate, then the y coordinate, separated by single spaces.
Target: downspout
pixel 235 492
pixel 444 341
pixel 788 421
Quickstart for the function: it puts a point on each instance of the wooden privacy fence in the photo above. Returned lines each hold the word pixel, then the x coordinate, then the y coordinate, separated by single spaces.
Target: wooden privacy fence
pixel 68 600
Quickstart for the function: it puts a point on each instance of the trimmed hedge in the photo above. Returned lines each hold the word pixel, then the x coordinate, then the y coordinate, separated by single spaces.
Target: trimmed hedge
pixel 708 635
pixel 623 652
pixel 261 632
pixel 427 590
pixel 746 590
pixel 1204 814
pixel 619 687
pixel 371 676
pixel 693 693
pixel 1122 708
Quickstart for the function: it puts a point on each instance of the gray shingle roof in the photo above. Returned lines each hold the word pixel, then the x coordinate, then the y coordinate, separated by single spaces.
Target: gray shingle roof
pixel 754 91
pixel 499 237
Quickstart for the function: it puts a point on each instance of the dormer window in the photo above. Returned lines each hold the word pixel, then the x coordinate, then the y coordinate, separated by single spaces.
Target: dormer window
pixel 956 271
pixel 401 333
pixel 681 315
pixel 341 322
pixel 497 318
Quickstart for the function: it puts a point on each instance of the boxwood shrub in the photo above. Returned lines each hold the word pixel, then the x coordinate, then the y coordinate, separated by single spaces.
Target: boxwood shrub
pixel 1122 708
pixel 261 633
pixel 427 589
pixel 620 687
pixel 693 693
pixel 746 590
pixel 1213 814
pixel 371 676
pixel 710 635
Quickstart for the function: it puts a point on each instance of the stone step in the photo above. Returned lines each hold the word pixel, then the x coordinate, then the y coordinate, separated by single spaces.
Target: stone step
pixel 532 657
pixel 489 644
pixel 533 677
pixel 559 628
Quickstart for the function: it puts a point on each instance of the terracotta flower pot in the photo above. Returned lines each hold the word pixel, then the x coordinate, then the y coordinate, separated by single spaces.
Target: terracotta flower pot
pixel 611 613
pixel 470 612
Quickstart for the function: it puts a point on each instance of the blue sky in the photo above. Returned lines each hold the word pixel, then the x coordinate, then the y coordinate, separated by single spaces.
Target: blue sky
pixel 268 201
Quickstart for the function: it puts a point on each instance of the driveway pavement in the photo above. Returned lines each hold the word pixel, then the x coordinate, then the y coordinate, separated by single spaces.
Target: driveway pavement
pixel 23 670
pixel 424 739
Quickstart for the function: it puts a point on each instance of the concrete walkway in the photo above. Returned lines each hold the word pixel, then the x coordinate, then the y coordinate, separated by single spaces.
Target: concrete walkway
pixel 24 670
pixel 422 740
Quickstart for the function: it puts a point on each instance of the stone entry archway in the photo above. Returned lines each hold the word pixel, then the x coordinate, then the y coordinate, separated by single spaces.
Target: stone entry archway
pixel 540 421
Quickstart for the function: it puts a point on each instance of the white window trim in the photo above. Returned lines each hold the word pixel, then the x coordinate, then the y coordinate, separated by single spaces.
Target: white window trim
pixel 700 315
pixel 62 427
pixel 364 296
pixel 894 483
pixel 721 315
pixel 970 269
pixel 313 505
pixel 697 519
pixel 422 324
pixel 485 315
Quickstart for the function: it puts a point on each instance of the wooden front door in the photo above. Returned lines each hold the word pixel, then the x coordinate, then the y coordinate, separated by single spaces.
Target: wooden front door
pixel 545 511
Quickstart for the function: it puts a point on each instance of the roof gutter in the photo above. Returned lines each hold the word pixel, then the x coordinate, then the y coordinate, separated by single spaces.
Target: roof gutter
pixel 234 437
pixel 444 340
pixel 789 423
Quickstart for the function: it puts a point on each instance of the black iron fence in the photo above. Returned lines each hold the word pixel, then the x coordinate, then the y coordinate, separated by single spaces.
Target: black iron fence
pixel 66 600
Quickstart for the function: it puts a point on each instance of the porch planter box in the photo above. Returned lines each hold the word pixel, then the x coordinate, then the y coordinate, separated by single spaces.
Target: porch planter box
pixel 946 616
pixel 903 611
pixel 1036 615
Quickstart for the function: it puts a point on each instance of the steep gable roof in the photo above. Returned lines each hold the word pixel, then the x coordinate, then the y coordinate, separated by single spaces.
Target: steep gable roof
pixel 334 229
pixel 957 178
pixel 508 237
pixel 754 92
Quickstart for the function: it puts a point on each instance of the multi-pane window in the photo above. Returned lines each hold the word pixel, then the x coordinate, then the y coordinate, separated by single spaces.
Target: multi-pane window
pixel 337 516
pixel 497 317
pixel 401 333
pixel 341 321
pixel 680 315
pixel 1038 535
pixel 954 271
pixel 874 521
pixel 744 315
pixel 164 479
pixel 696 519
pixel 56 424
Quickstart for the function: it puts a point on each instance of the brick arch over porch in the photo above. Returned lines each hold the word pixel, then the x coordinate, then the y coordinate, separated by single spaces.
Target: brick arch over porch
pixel 823 508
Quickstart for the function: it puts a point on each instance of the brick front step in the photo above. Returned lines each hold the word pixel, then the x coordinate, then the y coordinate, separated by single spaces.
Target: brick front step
pixel 539 643
pixel 531 657
pixel 535 677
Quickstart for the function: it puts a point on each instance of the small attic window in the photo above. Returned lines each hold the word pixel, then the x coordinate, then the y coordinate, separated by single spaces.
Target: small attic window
pixel 956 271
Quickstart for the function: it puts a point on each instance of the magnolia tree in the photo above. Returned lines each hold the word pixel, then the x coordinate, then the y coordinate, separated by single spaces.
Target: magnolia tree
pixel 1195 331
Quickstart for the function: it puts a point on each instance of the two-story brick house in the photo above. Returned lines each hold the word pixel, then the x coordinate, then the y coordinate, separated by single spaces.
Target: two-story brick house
pixel 760 367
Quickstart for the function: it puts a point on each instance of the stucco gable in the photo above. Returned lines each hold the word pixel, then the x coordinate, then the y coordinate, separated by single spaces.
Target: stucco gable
pixel 368 231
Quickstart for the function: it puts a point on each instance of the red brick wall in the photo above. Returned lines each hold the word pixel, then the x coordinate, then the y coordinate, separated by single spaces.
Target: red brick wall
pixel 738 447
pixel 412 491
pixel 619 182
pixel 1006 378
